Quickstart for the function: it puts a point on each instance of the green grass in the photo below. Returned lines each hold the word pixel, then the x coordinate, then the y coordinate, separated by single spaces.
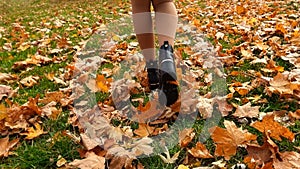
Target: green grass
pixel 44 151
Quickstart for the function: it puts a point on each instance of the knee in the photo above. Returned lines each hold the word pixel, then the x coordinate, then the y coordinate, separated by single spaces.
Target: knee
pixel 157 3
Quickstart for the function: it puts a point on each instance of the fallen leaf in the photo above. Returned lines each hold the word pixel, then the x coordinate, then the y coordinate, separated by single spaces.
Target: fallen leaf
pixel 186 136
pixel 144 130
pixel 247 111
pixel 6 91
pixel 34 132
pixel 261 155
pixel 268 124
pixel 62 161
pixel 227 140
pixel 92 161
pixel 103 83
pixel 288 160
pixel 4 77
pixel 3 112
pixel 168 159
pixel 6 146
pixel 30 81
pixel 200 151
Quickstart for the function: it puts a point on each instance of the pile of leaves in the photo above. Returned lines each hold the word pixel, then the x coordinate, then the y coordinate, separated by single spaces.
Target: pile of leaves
pixel 257 43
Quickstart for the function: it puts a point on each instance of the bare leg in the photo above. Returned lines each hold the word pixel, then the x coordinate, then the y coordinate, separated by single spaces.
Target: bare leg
pixel 166 22
pixel 143 27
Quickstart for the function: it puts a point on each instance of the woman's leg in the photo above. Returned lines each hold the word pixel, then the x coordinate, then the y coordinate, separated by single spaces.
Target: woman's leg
pixel 166 20
pixel 143 27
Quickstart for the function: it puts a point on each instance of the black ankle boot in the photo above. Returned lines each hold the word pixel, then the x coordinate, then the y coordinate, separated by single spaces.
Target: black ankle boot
pixel 168 77
pixel 153 77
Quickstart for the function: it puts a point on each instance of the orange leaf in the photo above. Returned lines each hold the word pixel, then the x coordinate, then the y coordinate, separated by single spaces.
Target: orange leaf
pixel 144 130
pixel 227 140
pixel 102 83
pixel 6 145
pixel 200 151
pixel 276 130
pixel 186 136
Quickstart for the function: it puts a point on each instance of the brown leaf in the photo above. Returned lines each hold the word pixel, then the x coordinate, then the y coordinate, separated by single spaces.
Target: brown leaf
pixel 6 91
pixel 4 77
pixel 276 130
pixel 227 140
pixel 30 81
pixel 88 143
pixel 3 112
pixel 288 160
pixel 246 111
pixel 186 136
pixel 200 151
pixel 261 155
pixel 144 130
pixel 6 145
pixel 92 161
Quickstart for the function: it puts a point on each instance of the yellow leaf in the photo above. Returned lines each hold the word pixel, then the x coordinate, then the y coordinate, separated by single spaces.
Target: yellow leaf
pixel 181 166
pixel 33 133
pixel 102 83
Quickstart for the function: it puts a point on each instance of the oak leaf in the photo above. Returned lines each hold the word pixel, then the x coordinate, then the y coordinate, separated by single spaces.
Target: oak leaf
pixel 227 140
pixel 268 124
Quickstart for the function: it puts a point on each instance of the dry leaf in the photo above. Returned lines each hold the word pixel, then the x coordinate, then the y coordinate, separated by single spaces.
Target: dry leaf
pixel 30 81
pixel 6 145
pixel 276 130
pixel 4 77
pixel 288 160
pixel 6 91
pixel 247 111
pixel 144 130
pixel 92 161
pixel 186 136
pixel 227 140
pixel 168 159
pixel 200 151
pixel 34 132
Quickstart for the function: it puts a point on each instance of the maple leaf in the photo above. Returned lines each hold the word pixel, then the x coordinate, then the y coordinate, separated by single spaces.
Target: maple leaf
pixel 268 124
pixel 92 161
pixel 200 151
pixel 246 111
pixel 227 140
pixel 34 132
pixel 6 145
